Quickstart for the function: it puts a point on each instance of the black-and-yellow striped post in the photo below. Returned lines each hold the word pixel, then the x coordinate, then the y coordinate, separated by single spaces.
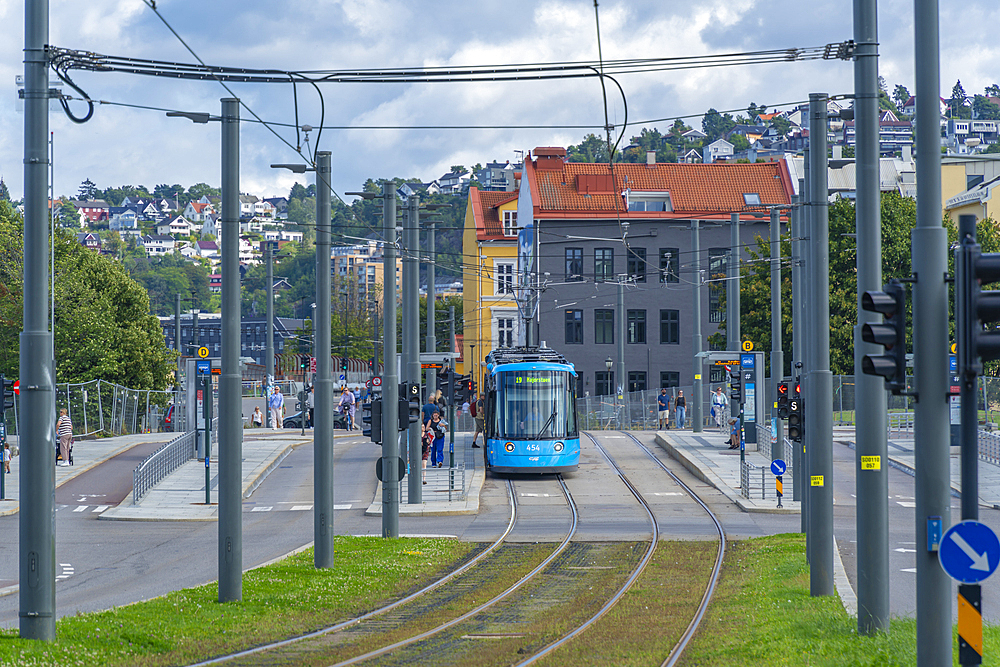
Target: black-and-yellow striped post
pixel 779 487
pixel 970 625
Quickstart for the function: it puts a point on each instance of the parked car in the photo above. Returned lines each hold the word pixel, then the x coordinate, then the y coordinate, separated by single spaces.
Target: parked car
pixel 295 421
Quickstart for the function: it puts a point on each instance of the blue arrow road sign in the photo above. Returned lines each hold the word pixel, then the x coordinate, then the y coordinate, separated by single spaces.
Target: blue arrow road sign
pixel 778 467
pixel 970 552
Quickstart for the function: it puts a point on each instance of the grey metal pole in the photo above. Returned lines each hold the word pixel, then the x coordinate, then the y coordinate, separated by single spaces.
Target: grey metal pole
pixel 230 384
pixel 36 522
pixel 795 218
pixel 930 347
pixel 872 481
pixel 696 397
pixel 194 328
pixel 807 347
pixel 777 355
pixel 177 322
pixel 968 391
pixel 323 382
pixel 733 285
pixel 819 399
pixel 431 344
pixel 622 384
pixel 390 379
pixel 411 339
pixel 269 313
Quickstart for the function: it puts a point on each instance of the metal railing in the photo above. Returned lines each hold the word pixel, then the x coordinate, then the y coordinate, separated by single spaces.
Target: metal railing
pixel 161 463
pixel 989 447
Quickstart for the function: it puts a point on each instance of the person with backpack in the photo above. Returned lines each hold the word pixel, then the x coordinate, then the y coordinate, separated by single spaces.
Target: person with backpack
pixel 479 415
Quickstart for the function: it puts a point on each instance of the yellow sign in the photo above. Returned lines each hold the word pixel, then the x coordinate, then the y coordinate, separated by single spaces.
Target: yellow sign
pixel 779 486
pixel 954 348
pixel 203 352
pixel 871 462
pixel 697 376
pixel 816 480
pixel 748 346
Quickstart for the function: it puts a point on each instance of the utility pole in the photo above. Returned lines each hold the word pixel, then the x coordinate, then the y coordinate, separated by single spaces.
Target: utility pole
pixel 795 217
pixel 411 339
pixel 871 481
pixel 454 393
pixel 431 336
pixel 929 241
pixel 323 380
pixel 733 286
pixel 177 323
pixel 696 398
pixel 819 398
pixel 390 379
pixel 777 355
pixel 230 382
pixel 269 313
pixel 620 349
pixel 36 520
pixel 807 348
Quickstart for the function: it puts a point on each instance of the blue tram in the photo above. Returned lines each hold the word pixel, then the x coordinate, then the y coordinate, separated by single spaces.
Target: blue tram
pixel 531 421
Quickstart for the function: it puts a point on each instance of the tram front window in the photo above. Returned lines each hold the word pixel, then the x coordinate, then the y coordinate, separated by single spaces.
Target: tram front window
pixel 537 405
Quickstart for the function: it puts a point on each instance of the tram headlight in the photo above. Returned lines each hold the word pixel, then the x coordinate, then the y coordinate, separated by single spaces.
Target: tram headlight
pixel 558 447
pixel 509 446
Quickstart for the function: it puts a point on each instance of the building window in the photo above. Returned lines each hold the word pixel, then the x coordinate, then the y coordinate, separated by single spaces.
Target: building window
pixel 604 264
pixel 670 265
pixel 637 264
pixel 670 327
pixel 505 332
pixel 669 379
pixel 604 382
pixel 636 326
pixel 574 327
pixel 637 380
pixel 574 264
pixel 510 223
pixel 505 278
pixel 604 326
pixel 717 259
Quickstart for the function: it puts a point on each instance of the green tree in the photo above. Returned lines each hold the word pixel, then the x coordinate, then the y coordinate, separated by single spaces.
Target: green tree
pixel 591 149
pixel 88 190
pixel 103 328
pixel 716 125
pixel 739 142
pixel 781 125
pixel 957 104
pixel 753 111
pixel 164 191
pixel 983 109
pixel 900 95
pixel 4 193
pixel 69 214
pixel 993 90
pixel 115 196
pixel 199 190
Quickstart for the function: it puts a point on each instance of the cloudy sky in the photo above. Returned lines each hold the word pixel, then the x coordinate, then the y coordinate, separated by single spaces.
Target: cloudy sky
pixel 121 145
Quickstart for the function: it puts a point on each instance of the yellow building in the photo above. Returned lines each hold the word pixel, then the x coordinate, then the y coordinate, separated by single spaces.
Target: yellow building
pixel 489 249
pixel 359 269
pixel 967 184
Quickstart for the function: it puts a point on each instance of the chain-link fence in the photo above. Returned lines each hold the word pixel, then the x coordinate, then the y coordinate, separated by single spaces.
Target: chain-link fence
pixel 104 407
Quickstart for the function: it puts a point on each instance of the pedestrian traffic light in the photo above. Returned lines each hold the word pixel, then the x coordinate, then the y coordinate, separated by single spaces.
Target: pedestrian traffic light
pixel 409 405
pixel 783 399
pixel 8 393
pixel 736 385
pixel 372 415
pixel 975 308
pixel 795 413
pixel 891 303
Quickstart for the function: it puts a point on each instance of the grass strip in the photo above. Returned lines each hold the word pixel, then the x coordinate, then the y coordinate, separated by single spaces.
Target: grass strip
pixel 281 600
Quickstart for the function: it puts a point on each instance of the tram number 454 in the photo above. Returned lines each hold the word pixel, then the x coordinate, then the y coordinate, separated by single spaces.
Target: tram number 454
pixel 533 448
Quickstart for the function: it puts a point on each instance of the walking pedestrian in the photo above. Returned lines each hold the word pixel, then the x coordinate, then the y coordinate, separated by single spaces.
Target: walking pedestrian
pixel 663 408
pixel 719 404
pixel 680 407
pixel 440 427
pixel 480 416
pixel 428 410
pixel 276 403
pixel 426 444
pixel 64 429
pixel 6 457
pixel 257 418
pixel 310 401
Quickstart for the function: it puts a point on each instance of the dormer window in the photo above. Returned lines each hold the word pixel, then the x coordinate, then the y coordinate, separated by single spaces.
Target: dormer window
pixel 657 202
pixel 510 223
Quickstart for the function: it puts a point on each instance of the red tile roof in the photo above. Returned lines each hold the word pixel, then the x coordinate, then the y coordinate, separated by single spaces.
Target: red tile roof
pixel 706 189
pixel 485 208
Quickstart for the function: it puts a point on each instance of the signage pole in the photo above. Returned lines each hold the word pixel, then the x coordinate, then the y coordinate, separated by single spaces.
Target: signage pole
pixel 696 391
pixel 207 393
pixel 390 378
pixel 411 340
pixel 323 378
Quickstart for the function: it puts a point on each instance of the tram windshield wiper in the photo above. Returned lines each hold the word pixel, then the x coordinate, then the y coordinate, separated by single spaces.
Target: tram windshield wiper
pixel 548 421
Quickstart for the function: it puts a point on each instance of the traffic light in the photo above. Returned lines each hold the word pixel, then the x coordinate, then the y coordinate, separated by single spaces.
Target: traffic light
pixel 467 394
pixel 409 405
pixel 891 303
pixel 783 399
pixel 795 413
pixel 413 402
pixel 736 385
pixel 975 308
pixel 304 362
pixel 343 364
pixel 446 384
pixel 8 393
pixel 372 415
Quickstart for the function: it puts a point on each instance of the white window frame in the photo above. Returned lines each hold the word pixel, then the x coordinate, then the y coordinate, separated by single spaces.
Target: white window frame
pixel 503 278
pixel 509 317
pixel 509 223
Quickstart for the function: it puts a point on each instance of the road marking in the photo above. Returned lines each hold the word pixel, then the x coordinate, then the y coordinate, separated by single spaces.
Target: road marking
pixel 669 493
pixel 99 509
pixel 67 571
pixel 906 551
pixel 535 495
pixel 300 508
pixel 342 507
pixel 905 503
pixel 262 509
pixel 81 508
pixel 909 569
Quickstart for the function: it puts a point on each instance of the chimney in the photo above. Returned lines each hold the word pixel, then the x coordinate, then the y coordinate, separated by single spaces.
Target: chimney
pixel 907 154
pixel 650 158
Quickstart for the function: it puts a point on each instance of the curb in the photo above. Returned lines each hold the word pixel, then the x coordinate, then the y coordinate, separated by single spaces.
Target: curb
pixel 842 584
pixel 469 506
pixel 713 480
